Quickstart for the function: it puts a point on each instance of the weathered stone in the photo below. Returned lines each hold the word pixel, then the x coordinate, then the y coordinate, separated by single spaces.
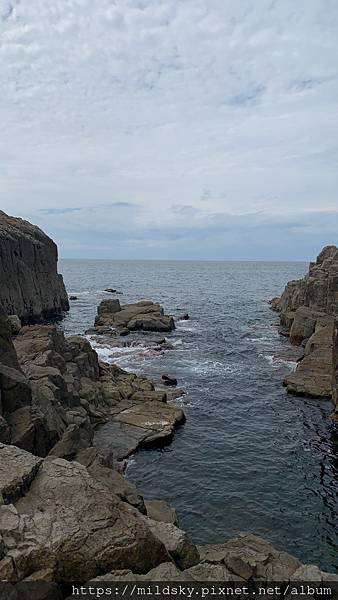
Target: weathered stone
pixel 167 380
pixel 159 510
pixel 249 556
pixel 180 548
pixel 30 285
pixel 308 307
pixel 313 375
pixel 17 471
pixel 144 315
pixel 97 467
pixel 71 523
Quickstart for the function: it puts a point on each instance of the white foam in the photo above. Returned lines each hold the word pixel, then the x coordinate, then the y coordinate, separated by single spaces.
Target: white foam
pixel 277 362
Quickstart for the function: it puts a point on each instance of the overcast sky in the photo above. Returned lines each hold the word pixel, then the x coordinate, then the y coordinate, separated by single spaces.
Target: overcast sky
pixel 172 128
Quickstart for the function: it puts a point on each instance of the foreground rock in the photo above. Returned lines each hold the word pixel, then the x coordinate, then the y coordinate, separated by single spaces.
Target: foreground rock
pixel 307 310
pixel 144 315
pixel 73 525
pixel 56 395
pixel 30 286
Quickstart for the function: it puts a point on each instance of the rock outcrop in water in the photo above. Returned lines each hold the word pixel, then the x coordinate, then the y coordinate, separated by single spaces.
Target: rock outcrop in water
pixel 56 393
pixel 30 286
pixel 307 313
pixel 144 315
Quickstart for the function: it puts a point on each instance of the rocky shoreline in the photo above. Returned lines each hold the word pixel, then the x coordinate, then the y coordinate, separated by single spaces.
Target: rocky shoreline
pixel 308 310
pixel 67 423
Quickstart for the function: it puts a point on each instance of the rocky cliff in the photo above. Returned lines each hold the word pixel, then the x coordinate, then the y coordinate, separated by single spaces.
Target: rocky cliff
pixel 30 286
pixel 308 309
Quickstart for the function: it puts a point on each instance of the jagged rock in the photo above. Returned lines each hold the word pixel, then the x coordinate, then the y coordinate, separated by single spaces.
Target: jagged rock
pixel 170 381
pixel 17 471
pixel 114 481
pixel 313 375
pixel 303 324
pixel 158 510
pixel 211 572
pixel 74 439
pixel 176 541
pixel 307 308
pixel 311 573
pixel 71 523
pixel 144 315
pixel 335 370
pixel 249 556
pixel 30 285
pixel 73 298
pixel 14 323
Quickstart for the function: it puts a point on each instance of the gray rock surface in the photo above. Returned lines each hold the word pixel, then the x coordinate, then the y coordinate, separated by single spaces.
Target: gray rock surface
pixel 307 310
pixel 144 315
pixel 159 510
pixel 70 523
pixel 17 471
pixel 30 286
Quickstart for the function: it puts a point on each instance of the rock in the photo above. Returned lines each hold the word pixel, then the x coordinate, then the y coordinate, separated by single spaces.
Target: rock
pixel 250 557
pixel 65 507
pixel 303 324
pixel 311 573
pixel 313 375
pixel 335 369
pixel 184 317
pixel 110 290
pixel 74 439
pixel 124 331
pixel 176 542
pixel 167 380
pixel 307 309
pixel 209 572
pixel 14 323
pixel 158 510
pixel 30 285
pixel 17 471
pixel 73 298
pixel 143 315
pixel 110 478
pixel 15 389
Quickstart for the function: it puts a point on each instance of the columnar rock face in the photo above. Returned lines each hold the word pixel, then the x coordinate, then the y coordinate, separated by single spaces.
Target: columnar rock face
pixel 30 286
pixel 307 309
pixel 335 369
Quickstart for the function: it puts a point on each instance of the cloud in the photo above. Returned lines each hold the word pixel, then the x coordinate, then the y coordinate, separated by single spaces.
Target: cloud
pixel 182 111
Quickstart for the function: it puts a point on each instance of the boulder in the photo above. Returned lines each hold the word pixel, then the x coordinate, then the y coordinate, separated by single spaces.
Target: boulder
pixel 73 525
pixel 143 315
pixel 30 285
pixel 159 510
pixel 17 471
pixel 250 557
pixel 179 547
pixel 170 381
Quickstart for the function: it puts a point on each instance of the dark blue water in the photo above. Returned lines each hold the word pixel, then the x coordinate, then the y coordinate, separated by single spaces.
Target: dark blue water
pixel 250 457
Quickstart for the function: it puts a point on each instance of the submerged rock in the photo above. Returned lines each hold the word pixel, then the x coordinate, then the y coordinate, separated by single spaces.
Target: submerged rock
pixel 30 284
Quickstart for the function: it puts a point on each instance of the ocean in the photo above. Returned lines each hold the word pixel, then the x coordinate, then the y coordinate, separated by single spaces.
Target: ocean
pixel 250 458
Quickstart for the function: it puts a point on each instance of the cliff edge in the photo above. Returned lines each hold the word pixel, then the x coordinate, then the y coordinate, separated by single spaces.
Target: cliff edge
pixel 30 285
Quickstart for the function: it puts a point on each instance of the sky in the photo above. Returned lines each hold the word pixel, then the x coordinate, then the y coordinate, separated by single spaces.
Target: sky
pixel 172 129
